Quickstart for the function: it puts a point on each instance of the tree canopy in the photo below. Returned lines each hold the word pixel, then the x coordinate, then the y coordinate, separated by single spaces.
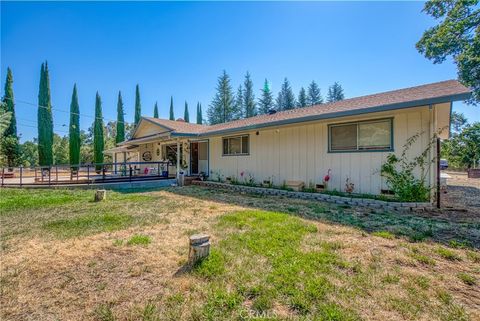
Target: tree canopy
pixel 285 98
pixel 120 124
pixel 249 105
pixel 10 145
pixel 302 98
pixel 222 107
pixel 266 101
pixel 74 130
pixel 45 120
pixel 335 93
pixel 138 106
pixel 314 96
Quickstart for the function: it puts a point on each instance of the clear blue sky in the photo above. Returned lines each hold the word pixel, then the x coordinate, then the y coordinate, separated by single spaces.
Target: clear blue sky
pixel 180 49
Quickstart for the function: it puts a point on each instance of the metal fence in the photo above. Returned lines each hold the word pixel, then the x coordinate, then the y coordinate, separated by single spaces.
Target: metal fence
pixel 85 173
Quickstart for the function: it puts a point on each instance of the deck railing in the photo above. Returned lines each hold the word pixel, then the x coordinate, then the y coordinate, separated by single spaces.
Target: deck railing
pixel 84 173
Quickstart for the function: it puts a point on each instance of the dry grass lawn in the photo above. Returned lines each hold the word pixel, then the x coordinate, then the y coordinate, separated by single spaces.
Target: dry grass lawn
pixel 65 257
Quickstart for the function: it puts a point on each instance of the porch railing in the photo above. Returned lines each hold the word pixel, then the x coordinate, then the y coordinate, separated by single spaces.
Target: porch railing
pixel 84 173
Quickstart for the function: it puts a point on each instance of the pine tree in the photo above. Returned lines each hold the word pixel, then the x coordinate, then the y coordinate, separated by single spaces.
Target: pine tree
pixel 335 93
pixel 314 96
pixel 138 106
pixel 98 141
pixel 155 111
pixel 222 107
pixel 302 98
pixel 120 132
pixel 45 120
pixel 286 98
pixel 266 102
pixel 10 147
pixel 199 114
pixel 186 115
pixel 172 116
pixel 238 112
pixel 249 105
pixel 74 130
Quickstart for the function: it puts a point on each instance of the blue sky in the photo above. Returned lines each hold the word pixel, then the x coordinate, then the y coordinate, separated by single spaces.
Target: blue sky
pixel 181 48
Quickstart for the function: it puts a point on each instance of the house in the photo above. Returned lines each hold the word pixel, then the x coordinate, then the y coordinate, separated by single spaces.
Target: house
pixel 351 138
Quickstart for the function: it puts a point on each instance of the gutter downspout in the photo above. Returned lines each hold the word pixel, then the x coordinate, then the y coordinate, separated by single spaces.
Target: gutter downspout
pixel 178 160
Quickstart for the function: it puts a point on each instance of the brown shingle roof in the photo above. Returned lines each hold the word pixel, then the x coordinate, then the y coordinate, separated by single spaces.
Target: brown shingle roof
pixel 444 91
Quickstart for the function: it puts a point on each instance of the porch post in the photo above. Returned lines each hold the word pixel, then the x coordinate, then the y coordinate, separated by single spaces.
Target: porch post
pixel 178 160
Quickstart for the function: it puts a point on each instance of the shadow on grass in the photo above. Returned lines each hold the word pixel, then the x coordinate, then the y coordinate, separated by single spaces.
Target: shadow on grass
pixel 414 227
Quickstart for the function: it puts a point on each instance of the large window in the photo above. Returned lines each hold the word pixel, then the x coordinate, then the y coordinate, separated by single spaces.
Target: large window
pixel 237 145
pixel 361 136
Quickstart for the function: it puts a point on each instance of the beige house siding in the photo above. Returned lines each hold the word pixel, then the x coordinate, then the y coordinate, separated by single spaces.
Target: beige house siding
pixel 300 152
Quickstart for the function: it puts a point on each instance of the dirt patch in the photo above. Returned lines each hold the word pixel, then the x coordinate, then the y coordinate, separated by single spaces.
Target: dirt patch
pixel 462 199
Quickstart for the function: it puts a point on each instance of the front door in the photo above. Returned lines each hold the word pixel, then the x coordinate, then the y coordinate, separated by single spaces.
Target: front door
pixel 194 158
pixel 199 158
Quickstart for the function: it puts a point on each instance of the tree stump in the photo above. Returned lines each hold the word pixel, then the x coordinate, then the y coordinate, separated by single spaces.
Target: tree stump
pixel 199 248
pixel 100 195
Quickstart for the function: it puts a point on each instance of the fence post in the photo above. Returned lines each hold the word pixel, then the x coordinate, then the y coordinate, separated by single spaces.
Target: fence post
pixel 130 166
pixel 49 175
pixel 3 174
pixel 21 175
pixel 56 173
pixel 158 169
pixel 103 173
pixel 88 174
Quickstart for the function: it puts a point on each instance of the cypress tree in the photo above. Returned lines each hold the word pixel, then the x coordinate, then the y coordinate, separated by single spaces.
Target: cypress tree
pixel 186 115
pixel 155 110
pixel 314 97
pixel 98 141
pixel 45 121
pixel 172 116
pixel 120 135
pixel 249 105
pixel 266 102
pixel 335 93
pixel 238 112
pixel 286 98
pixel 199 114
pixel 222 107
pixel 74 130
pixel 10 146
pixel 302 98
pixel 138 106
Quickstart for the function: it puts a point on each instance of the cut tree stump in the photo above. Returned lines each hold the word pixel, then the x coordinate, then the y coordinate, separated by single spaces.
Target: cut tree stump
pixel 100 195
pixel 199 248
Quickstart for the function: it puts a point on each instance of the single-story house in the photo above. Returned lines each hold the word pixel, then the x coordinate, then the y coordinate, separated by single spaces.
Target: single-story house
pixel 350 139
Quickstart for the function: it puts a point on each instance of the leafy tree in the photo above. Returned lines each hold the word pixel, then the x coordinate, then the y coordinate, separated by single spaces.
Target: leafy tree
pixel 302 98
pixel 98 141
pixel 120 124
pixel 10 145
pixel 73 131
pixel 86 145
pixel 222 107
pixel 155 111
pixel 335 93
pixel 286 98
pixel 266 101
pixel 45 120
pixel 462 150
pixel 238 104
pixel 458 35
pixel 458 120
pixel 29 153
pixel 172 116
pixel 5 118
pixel 249 105
pixel 199 114
pixel 314 95
pixel 138 106
pixel 61 150
pixel 186 115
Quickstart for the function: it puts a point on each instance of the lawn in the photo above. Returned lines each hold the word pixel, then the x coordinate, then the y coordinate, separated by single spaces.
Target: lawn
pixel 65 257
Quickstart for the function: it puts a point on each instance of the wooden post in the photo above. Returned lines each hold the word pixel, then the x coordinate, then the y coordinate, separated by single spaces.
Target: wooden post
pixel 199 248
pixel 100 195
pixel 438 173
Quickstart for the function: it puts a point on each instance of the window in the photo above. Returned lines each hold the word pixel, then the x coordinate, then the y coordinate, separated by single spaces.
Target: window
pixel 361 136
pixel 238 145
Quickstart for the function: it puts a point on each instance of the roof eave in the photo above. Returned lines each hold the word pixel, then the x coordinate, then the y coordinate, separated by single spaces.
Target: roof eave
pixel 403 105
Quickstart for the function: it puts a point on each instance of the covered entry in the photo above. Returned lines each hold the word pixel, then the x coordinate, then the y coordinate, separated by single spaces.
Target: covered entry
pixel 199 157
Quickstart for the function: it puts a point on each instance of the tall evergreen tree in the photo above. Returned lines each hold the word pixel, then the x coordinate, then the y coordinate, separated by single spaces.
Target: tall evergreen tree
pixel 186 115
pixel 155 110
pixel 138 106
pixel 249 105
pixel 74 129
pixel 98 140
pixel 222 107
pixel 286 98
pixel 10 146
pixel 335 93
pixel 45 120
pixel 120 132
pixel 302 98
pixel 238 104
pixel 199 114
pixel 266 101
pixel 172 116
pixel 314 96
